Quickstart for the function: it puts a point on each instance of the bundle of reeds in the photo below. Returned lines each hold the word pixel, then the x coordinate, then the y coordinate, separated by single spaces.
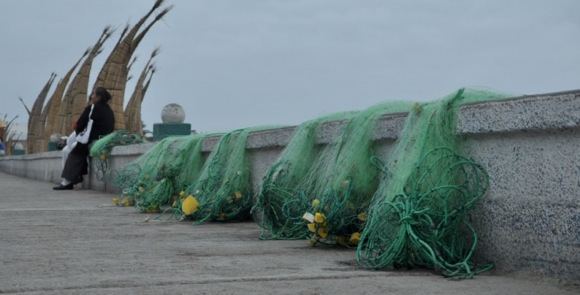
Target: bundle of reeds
pixel 50 113
pixel 114 74
pixel 75 97
pixel 35 127
pixel 133 108
pixel 8 134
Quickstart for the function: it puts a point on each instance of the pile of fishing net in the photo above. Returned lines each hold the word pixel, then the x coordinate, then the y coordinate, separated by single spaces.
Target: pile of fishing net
pixel 419 214
pixel 156 177
pixel 101 149
pixel 274 211
pixel 406 210
pixel 331 187
pixel 175 176
pixel 223 191
pixel 410 210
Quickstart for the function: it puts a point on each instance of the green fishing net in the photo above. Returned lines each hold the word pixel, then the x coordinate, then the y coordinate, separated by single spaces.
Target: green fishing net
pixel 101 150
pixel 340 185
pixel 333 186
pixel 418 216
pixel 223 191
pixel 412 209
pixel 156 177
pixel 174 175
pixel 274 210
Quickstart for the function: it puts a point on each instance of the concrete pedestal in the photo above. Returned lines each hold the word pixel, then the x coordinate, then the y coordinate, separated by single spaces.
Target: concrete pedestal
pixel 52 146
pixel 162 130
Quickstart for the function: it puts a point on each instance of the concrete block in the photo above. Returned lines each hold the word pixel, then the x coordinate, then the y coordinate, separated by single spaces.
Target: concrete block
pixel 163 130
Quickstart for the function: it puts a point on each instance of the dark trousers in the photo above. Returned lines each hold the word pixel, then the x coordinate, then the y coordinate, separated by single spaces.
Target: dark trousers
pixel 76 164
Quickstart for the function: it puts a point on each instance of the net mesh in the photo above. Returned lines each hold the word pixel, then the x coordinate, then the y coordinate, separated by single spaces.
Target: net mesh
pixel 334 185
pixel 417 201
pixel 101 149
pixel 339 187
pixel 418 216
pixel 223 191
pixel 276 215
pixel 153 180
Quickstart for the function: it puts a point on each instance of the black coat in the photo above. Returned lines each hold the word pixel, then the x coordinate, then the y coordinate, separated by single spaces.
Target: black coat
pixel 76 164
pixel 103 121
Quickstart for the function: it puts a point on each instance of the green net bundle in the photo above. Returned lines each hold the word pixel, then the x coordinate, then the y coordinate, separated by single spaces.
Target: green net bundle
pixel 155 178
pixel 339 186
pixel 333 189
pixel 223 191
pixel 277 216
pixel 191 160
pixel 418 216
pixel 101 149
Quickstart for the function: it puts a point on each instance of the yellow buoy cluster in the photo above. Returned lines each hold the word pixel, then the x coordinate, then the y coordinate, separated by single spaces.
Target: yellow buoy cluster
pixel 123 202
pixel 318 227
pixel 189 205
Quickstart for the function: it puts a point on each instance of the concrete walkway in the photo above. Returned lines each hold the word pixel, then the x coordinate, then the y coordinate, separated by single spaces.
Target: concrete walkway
pixel 76 243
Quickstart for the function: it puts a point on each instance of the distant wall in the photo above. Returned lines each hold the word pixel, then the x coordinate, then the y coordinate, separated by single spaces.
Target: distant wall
pixel 530 145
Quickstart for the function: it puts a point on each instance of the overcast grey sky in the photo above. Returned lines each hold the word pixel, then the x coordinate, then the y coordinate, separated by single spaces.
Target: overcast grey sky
pixel 237 63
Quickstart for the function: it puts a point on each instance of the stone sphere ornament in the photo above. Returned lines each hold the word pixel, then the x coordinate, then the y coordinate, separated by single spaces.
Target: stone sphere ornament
pixel 172 114
pixel 55 138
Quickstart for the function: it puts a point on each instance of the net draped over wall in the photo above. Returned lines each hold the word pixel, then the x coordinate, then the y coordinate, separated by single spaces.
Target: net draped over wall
pixel 418 216
pixel 407 209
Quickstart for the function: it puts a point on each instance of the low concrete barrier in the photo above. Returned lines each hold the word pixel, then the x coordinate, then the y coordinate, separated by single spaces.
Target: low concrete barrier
pixel 530 145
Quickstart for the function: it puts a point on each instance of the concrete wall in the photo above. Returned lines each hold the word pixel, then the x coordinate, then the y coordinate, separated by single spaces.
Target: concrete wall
pixel 528 222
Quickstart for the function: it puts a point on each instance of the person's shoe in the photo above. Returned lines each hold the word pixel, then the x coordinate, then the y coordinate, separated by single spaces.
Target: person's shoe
pixel 61 187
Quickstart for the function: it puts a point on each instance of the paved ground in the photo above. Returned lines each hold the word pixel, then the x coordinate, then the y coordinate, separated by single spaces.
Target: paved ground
pixel 76 243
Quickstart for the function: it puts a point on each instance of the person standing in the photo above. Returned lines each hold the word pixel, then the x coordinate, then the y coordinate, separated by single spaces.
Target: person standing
pixel 76 164
pixel 2 148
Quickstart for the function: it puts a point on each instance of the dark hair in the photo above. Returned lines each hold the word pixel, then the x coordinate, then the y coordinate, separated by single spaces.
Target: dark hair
pixel 103 94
